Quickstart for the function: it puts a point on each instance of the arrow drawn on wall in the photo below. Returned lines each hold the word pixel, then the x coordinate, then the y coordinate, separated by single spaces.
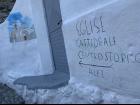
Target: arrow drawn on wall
pixel 93 65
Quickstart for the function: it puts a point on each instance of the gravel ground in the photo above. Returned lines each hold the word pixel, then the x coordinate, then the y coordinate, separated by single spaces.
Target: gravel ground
pixel 5 8
pixel 9 96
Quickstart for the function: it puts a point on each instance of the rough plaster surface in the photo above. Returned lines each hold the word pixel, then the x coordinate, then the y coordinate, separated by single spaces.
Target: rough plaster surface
pixel 75 92
pixel 87 62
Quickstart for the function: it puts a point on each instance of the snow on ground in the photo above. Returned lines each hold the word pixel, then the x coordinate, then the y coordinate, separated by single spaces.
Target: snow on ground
pixel 74 93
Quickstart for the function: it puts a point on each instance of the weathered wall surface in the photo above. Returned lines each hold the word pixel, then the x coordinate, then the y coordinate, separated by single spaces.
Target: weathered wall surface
pixel 19 54
pixel 102 43
pixel 23 58
pixel 106 52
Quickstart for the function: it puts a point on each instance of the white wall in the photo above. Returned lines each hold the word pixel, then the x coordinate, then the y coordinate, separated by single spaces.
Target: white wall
pixel 27 58
pixel 42 35
pixel 120 24
pixel 72 9
pixel 22 59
